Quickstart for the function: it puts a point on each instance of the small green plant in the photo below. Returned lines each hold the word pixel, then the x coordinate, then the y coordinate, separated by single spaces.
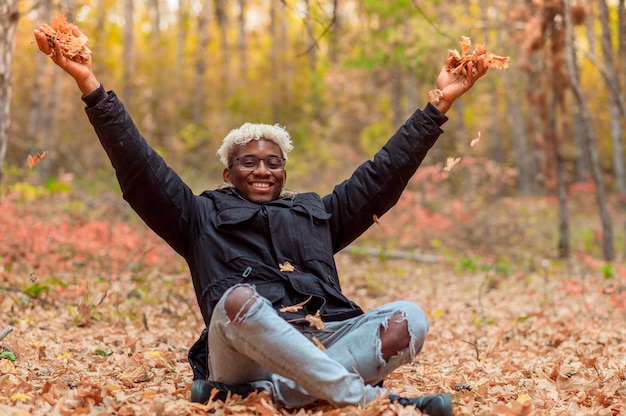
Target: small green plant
pixel 608 271
pixel 35 290
pixel 468 263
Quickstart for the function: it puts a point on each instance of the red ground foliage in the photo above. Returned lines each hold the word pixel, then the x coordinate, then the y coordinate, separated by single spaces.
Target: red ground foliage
pixel 103 314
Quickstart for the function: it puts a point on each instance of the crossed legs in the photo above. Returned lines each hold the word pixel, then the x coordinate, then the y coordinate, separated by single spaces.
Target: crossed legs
pixel 250 343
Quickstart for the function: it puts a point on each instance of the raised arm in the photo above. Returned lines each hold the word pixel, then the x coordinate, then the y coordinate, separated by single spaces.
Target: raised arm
pixel 377 184
pixel 151 187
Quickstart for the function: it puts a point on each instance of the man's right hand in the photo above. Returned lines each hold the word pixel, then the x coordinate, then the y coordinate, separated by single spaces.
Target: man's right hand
pixel 81 71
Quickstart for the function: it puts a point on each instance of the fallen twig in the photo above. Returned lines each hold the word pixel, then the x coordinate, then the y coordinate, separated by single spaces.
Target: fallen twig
pixel 6 331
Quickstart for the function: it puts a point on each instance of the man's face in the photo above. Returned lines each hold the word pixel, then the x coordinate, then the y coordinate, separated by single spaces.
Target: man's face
pixel 261 184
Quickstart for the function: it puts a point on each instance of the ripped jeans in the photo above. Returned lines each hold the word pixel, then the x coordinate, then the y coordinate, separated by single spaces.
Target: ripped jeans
pixel 262 349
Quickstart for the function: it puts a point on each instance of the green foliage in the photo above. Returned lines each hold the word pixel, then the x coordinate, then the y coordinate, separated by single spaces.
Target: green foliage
pixel 608 271
pixel 27 192
pixel 53 185
pixel 468 263
pixel 36 289
pixel 373 137
pixel 8 355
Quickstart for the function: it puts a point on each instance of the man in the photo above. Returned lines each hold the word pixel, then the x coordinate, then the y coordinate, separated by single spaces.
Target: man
pixel 261 257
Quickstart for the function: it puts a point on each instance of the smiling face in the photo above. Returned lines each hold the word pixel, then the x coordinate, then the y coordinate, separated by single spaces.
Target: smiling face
pixel 262 184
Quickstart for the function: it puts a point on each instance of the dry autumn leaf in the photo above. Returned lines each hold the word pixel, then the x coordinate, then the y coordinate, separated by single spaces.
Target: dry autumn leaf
pixel 435 96
pixel 450 163
pixel 318 344
pixel 316 321
pixel 36 159
pixel 73 42
pixel 286 267
pixel 375 217
pixel 295 308
pixel 133 375
pixel 475 140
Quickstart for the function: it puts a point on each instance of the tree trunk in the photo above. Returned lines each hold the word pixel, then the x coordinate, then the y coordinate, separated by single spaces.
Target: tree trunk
pixel 614 95
pixel 222 21
pixel 334 34
pixel 312 42
pixel 128 53
pixel 101 13
pixel 587 124
pixel 563 245
pixel 622 40
pixel 38 92
pixel 9 14
pixel 243 49
pixel 183 24
pixel 497 151
pixel 198 98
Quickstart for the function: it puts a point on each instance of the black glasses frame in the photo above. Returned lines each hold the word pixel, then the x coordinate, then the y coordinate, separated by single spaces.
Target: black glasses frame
pixel 271 166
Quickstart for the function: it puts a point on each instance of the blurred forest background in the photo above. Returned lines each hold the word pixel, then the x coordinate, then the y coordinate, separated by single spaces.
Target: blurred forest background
pixel 341 76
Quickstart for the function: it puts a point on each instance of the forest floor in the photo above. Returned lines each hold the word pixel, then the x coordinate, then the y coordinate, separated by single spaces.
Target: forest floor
pixel 103 313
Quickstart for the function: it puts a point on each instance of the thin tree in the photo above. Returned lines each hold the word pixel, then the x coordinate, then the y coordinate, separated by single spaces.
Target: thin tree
pixel 221 15
pixel 128 52
pixel 37 89
pixel 587 125
pixel 198 102
pixel 9 15
pixel 614 93
pixel 621 63
pixel 241 42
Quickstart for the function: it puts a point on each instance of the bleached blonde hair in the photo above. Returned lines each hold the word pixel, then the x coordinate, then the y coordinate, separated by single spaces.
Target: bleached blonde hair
pixel 254 131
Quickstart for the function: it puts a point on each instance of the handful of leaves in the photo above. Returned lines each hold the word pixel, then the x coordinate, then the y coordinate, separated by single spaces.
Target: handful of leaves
pixel 73 42
pixel 458 63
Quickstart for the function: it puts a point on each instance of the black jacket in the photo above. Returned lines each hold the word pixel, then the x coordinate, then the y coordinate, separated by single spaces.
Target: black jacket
pixel 226 239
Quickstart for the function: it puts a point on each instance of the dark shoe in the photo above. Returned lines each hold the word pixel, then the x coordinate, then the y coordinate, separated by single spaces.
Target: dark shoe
pixel 201 390
pixel 435 405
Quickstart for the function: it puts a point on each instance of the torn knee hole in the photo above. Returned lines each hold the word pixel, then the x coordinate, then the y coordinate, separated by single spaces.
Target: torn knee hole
pixel 238 302
pixel 394 336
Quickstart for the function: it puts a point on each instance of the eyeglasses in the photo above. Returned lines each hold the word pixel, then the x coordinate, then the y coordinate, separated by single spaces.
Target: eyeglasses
pixel 251 163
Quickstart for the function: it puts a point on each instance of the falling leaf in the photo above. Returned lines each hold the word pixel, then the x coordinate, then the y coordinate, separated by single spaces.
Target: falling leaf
pixel 450 163
pixel 286 267
pixel 316 321
pixel 435 96
pixel 296 307
pixel 36 159
pixel 475 140
pixel 376 219
pixel 318 344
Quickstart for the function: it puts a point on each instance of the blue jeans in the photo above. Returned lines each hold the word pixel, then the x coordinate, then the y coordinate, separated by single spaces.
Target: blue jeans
pixel 261 348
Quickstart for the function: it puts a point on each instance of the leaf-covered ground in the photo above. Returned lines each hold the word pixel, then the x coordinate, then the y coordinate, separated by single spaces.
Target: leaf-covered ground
pixel 102 314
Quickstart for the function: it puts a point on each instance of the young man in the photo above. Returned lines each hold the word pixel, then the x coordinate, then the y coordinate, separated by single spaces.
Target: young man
pixel 261 258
